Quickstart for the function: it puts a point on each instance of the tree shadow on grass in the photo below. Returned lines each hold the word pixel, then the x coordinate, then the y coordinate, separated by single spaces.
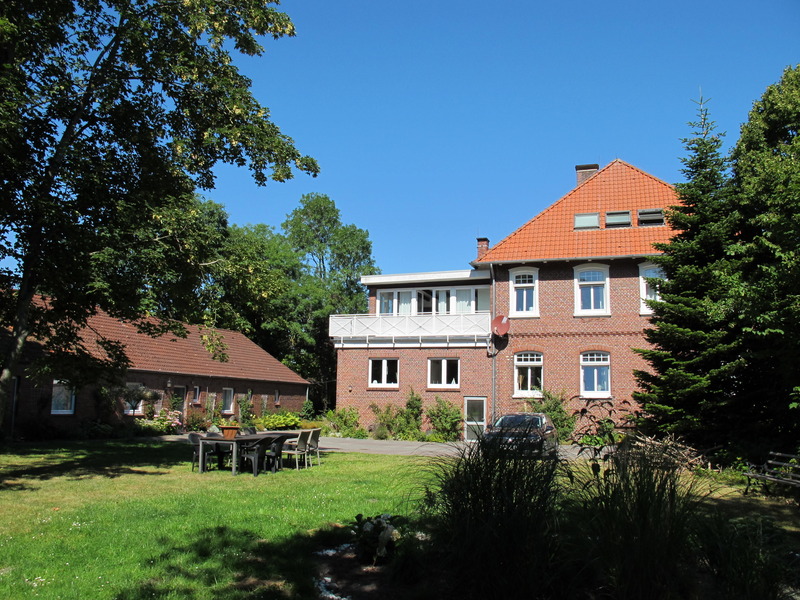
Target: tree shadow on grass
pixel 225 563
pixel 23 464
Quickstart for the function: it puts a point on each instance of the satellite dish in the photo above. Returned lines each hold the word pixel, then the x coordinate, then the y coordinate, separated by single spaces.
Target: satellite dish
pixel 500 325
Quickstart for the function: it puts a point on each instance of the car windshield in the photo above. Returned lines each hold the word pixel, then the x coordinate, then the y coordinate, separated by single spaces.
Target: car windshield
pixel 519 422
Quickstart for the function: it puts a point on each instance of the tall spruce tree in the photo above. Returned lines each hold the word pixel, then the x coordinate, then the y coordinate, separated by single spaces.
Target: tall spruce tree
pixel 766 169
pixel 695 349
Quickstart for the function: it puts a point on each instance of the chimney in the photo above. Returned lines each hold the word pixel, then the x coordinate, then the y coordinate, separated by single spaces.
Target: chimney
pixel 483 246
pixel 583 172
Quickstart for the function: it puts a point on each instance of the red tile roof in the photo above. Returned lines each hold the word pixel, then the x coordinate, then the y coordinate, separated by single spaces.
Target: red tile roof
pixel 617 187
pixel 188 356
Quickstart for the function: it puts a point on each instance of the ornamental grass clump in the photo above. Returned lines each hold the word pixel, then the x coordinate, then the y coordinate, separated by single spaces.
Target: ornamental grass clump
pixel 632 521
pixel 492 514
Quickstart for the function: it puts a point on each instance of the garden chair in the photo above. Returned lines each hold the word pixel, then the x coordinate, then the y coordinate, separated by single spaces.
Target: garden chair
pixel 299 447
pixel 248 431
pixel 211 450
pixel 313 444
pixel 222 451
pixel 256 453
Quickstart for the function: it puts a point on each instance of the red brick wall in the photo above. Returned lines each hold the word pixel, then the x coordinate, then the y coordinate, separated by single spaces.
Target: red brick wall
pixel 557 333
pixel 33 405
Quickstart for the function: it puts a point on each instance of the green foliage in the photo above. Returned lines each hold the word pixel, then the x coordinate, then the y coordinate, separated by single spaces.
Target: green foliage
pixel 114 114
pixel 246 415
pixel 307 411
pixel 343 422
pixel 492 514
pixel 446 420
pixel 196 421
pixel 400 423
pixel 726 335
pixel 276 421
pixel 554 405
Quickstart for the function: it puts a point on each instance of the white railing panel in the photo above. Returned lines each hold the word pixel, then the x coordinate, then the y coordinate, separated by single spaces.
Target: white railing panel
pixel 345 326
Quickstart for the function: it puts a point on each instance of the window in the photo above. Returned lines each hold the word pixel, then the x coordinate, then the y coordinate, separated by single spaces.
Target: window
pixel 133 399
pixel 587 221
pixel 443 372
pixel 528 374
pixel 227 400
pixel 648 290
pixel 474 417
pixel 442 301
pixel 591 290
pixel 383 372
pixel 620 218
pixel 424 302
pixel 464 300
pixel 196 395
pixel 524 292
pixel 649 217
pixel 63 402
pixel 386 303
pixel 595 375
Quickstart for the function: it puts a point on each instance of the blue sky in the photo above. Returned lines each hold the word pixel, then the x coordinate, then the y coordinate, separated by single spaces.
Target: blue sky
pixel 439 121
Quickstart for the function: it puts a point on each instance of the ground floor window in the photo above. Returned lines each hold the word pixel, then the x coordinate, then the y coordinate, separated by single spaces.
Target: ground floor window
pixel 528 371
pixel 443 372
pixel 383 372
pixel 63 402
pixel 227 400
pixel 596 374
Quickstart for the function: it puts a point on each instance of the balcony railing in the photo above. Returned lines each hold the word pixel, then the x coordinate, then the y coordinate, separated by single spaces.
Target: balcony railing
pixel 410 326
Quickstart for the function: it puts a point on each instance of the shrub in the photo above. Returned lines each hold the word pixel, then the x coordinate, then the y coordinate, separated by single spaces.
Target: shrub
pixel 403 423
pixel 446 420
pixel 554 405
pixel 343 422
pixel 277 421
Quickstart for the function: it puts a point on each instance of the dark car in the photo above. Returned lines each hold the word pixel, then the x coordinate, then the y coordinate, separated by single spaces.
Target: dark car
pixel 527 432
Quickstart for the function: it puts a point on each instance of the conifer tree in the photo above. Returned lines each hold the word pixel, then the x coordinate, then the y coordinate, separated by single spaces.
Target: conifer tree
pixel 695 350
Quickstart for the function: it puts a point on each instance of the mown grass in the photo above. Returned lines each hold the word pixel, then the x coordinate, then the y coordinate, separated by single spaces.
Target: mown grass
pixel 129 520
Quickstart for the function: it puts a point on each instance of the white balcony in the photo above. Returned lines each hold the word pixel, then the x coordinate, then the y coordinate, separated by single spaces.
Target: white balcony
pixel 460 329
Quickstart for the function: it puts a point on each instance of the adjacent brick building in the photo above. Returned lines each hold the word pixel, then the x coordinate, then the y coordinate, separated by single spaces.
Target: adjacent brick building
pixel 170 368
pixel 558 305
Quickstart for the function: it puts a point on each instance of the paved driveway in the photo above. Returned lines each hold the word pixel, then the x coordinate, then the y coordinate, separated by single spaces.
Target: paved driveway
pixel 333 444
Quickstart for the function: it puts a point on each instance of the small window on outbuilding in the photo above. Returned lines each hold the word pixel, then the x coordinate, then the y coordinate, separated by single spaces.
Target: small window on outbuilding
pixel 649 217
pixel 619 218
pixel 587 221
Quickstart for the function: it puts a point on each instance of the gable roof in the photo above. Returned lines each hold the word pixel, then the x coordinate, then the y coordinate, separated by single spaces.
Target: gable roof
pixel 188 356
pixel 551 234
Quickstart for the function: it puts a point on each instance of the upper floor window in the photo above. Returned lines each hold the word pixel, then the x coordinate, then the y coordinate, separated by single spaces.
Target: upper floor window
pixel 618 218
pixel 648 288
pixel 443 372
pixel 440 301
pixel 596 375
pixel 528 374
pixel 383 372
pixel 524 292
pixel 587 221
pixel 63 402
pixel 591 290
pixel 650 216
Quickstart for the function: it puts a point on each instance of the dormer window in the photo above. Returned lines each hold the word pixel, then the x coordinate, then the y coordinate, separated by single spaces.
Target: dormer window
pixel 649 217
pixel 587 221
pixel 619 218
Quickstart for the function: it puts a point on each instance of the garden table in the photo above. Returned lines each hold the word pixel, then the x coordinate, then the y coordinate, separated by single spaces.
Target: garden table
pixel 235 443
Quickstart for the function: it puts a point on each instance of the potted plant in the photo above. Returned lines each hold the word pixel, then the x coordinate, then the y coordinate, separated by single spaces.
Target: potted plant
pixel 229 428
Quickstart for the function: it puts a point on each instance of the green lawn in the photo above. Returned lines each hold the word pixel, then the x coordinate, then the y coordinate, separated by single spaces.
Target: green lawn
pixel 130 520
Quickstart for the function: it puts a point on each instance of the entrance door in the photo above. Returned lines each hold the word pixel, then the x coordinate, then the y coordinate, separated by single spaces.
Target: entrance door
pixel 474 417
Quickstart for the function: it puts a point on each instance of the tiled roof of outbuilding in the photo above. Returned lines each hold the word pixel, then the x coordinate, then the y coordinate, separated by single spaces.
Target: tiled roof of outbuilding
pixel 188 356
pixel 617 187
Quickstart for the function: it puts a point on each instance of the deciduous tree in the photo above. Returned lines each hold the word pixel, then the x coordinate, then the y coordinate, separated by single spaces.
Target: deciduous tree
pixel 111 115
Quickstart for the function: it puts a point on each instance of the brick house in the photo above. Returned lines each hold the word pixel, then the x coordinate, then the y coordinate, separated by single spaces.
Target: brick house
pixel 169 367
pixel 557 305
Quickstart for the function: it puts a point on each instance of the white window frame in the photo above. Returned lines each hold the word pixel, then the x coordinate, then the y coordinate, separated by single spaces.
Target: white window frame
pixel 444 369
pixel 406 301
pixel 579 286
pixel 645 288
pixel 225 410
pixel 526 361
pixel 59 387
pixel 594 360
pixel 384 372
pixel 530 285
pixel 139 410
pixel 196 395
